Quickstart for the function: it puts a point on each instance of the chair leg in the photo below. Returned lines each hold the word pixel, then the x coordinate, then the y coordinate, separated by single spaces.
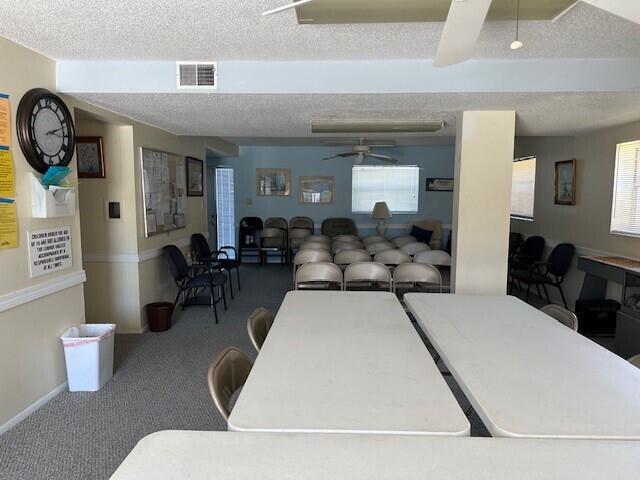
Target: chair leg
pixel 538 290
pixel 213 303
pixel 526 298
pixel 564 300
pixel 546 293
pixel 224 297
pixel 238 275
pixel 230 283
pixel 175 302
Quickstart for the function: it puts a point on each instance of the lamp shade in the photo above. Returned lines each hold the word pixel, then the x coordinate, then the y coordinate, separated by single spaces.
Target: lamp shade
pixel 381 211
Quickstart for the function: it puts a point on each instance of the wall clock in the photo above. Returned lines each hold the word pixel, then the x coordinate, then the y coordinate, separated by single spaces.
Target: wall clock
pixel 45 130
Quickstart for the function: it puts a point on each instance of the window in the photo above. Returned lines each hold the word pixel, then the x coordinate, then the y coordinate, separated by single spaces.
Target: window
pixel 625 210
pixel 398 186
pixel 523 187
pixel 225 213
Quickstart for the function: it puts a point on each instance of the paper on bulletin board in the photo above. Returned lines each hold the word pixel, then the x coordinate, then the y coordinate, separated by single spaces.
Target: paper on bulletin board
pixel 7 175
pixel 5 121
pixel 8 224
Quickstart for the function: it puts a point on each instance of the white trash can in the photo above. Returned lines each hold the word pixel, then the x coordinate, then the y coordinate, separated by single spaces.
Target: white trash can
pixel 88 353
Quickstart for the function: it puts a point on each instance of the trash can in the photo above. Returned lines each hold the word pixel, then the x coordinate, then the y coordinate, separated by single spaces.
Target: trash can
pixel 88 353
pixel 159 316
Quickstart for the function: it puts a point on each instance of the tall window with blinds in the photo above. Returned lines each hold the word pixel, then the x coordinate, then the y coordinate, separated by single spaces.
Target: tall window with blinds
pixel 396 185
pixel 625 210
pixel 523 188
pixel 225 211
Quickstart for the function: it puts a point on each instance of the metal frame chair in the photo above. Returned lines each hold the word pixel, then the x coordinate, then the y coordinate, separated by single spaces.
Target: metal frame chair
pixel 346 238
pixel 258 326
pixel 249 237
pixel 347 257
pixel 309 256
pixel 227 374
pixel 273 239
pixel 415 247
pixel 302 222
pixel 297 237
pixel 319 276
pixel 635 360
pixel 392 258
pixel 378 247
pixel 562 315
pixel 373 239
pixel 341 246
pixel 401 241
pixel 190 281
pixel 368 273
pixel 439 258
pixel 415 274
pixel 309 245
pixel 204 254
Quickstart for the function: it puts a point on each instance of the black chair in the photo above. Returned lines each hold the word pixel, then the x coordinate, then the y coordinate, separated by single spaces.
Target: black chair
pixel 190 279
pixel 515 241
pixel 529 253
pixel 218 258
pixel 551 272
pixel 249 237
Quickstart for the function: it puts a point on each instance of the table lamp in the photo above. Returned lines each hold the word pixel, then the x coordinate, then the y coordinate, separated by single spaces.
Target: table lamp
pixel 381 212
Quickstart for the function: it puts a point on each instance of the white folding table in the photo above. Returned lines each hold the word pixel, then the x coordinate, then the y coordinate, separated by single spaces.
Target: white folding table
pixel 526 374
pixel 346 362
pixel 176 455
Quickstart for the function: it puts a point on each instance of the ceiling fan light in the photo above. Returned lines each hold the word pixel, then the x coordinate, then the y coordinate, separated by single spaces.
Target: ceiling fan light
pixel 516 45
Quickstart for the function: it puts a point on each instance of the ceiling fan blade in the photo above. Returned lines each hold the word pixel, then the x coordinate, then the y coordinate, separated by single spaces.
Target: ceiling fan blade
pixel 627 9
pixel 461 31
pixel 329 158
pixel 349 154
pixel 286 7
pixel 386 158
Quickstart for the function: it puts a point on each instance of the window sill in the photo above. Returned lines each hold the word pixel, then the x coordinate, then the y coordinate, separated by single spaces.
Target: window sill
pixel 524 219
pixel 625 234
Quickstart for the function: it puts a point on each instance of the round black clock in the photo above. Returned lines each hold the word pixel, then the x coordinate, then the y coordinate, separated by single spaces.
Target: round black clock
pixel 45 130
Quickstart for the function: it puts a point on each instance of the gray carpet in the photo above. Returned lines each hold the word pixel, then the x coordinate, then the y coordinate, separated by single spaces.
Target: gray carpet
pixel 159 383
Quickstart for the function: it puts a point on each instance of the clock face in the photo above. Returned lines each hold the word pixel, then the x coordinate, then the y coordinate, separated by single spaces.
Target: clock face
pixel 45 130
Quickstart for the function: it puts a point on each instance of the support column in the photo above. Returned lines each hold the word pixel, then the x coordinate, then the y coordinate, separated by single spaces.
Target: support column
pixel 482 202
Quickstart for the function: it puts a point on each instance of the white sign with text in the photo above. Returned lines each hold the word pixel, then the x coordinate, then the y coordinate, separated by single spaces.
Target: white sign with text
pixel 49 250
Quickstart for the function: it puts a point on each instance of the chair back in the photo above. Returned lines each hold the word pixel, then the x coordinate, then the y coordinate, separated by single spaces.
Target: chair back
pixel 310 245
pixel 367 271
pixel 373 239
pixel 341 246
pixel 200 246
pixel 177 263
pixel 258 326
pixel 411 273
pixel 392 257
pixel 251 222
pixel 297 236
pixel 438 258
pixel 227 373
pixel 338 226
pixel 435 226
pixel 321 272
pixel 560 259
pixel 635 360
pixel 401 241
pixel 378 247
pixel 515 240
pixel 311 256
pixel 276 222
pixel 347 257
pixel 561 314
pixel 301 222
pixel 415 247
pixel 346 238
pixel 532 248
pixel 272 237
pixel 319 238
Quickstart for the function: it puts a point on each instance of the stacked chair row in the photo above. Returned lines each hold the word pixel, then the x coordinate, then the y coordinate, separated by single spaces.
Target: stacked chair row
pixel 274 236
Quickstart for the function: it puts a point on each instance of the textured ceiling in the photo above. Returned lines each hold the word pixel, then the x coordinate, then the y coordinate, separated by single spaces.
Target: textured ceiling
pixel 252 117
pixel 225 30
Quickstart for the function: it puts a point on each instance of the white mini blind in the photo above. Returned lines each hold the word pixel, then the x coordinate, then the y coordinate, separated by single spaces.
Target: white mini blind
pixel 225 210
pixel 625 210
pixel 396 185
pixel 523 187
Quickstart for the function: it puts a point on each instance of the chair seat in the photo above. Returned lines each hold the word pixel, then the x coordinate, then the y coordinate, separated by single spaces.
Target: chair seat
pixel 527 276
pixel 228 263
pixel 204 280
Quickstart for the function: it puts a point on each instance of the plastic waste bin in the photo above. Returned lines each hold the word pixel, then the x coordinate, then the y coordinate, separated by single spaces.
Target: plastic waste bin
pixel 88 353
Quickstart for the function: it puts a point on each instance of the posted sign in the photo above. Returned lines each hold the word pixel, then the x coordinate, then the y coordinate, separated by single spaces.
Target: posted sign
pixel 49 250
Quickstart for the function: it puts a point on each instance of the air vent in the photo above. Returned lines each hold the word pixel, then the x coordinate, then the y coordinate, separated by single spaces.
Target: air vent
pixel 197 74
pixel 377 127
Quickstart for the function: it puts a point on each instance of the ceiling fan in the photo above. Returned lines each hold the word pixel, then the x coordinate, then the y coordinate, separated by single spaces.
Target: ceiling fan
pixel 362 152
pixel 466 17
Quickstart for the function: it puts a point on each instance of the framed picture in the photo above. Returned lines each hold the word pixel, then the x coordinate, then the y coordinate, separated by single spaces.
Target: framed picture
pixel 316 189
pixel 273 182
pixel 90 157
pixel 195 175
pixel 439 185
pixel 565 183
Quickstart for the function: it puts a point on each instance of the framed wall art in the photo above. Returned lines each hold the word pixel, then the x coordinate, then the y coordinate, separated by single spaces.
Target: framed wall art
pixel 439 185
pixel 90 157
pixel 316 189
pixel 565 183
pixel 273 182
pixel 195 175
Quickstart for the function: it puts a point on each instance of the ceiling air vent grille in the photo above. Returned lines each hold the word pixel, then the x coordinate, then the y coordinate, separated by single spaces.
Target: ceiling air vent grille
pixel 197 74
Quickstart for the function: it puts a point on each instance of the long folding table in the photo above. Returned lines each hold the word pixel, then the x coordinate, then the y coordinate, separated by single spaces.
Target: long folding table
pixel 526 374
pixel 346 362
pixel 175 455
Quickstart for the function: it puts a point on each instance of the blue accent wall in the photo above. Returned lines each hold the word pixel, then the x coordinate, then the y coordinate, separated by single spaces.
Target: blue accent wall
pixel 434 161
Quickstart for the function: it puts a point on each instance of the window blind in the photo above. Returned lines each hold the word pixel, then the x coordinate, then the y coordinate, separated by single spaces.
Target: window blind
pixel 396 185
pixel 625 209
pixel 523 187
pixel 225 211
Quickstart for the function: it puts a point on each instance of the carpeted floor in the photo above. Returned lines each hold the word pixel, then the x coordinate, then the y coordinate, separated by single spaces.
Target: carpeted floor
pixel 159 383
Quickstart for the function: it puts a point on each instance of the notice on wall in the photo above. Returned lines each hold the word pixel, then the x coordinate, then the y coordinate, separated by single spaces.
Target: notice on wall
pixel 8 224
pixel 5 121
pixel 49 250
pixel 7 175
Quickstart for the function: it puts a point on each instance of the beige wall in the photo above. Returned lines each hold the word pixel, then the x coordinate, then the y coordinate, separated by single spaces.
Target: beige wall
pixel 30 351
pixel 585 224
pixel 484 159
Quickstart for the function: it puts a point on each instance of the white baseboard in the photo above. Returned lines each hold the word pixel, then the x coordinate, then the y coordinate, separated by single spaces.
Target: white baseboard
pixel 32 408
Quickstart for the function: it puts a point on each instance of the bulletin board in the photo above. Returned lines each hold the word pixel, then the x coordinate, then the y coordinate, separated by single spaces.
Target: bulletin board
pixel 164 186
